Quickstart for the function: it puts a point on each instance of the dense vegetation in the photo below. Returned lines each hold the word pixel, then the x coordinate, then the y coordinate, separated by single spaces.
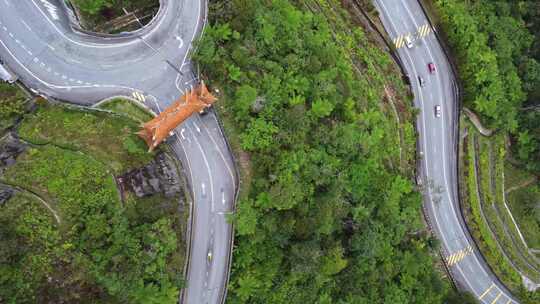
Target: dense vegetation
pixel 496 44
pixel 114 16
pixel 66 237
pixel 497 48
pixel 325 214
pixel 94 7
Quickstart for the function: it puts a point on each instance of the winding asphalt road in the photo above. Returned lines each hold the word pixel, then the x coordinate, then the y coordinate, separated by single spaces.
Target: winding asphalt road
pixel 437 140
pixel 150 66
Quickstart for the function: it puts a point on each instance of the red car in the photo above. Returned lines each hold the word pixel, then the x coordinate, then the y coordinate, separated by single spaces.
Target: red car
pixel 431 67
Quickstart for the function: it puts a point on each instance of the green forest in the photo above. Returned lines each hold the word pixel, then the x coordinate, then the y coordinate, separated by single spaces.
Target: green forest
pixel 497 48
pixel 94 7
pixel 325 214
pixel 114 16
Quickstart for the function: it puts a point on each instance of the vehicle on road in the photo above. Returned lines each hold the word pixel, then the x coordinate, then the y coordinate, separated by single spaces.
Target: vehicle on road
pixel 209 256
pixel 421 81
pixel 408 42
pixel 204 111
pixel 431 67
pixel 437 111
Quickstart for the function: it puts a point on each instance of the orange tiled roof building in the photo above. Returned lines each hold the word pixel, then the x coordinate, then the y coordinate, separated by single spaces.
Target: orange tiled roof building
pixel 158 129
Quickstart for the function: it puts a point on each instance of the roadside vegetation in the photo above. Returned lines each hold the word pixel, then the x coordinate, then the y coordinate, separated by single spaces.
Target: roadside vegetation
pixel 12 105
pixel 327 212
pixel 110 141
pixel 488 213
pixel 523 194
pixel 496 47
pixel 127 108
pixel 114 16
pixel 68 235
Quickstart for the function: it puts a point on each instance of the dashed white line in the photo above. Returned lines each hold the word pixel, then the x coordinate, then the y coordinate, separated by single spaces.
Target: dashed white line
pixel 26 25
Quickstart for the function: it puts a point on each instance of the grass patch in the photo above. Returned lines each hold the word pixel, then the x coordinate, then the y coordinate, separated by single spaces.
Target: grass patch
pixel 127 107
pixel 110 141
pixel 515 177
pixel 525 206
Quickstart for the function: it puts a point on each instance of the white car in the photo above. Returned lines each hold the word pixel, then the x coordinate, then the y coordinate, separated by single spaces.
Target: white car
pixel 408 42
pixel 437 111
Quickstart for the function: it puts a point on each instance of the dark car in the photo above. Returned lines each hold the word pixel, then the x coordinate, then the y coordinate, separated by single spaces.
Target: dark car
pixel 204 111
pixel 421 81
pixel 437 111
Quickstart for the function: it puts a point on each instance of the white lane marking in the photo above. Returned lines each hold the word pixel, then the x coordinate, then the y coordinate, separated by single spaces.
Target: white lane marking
pixel 93 45
pixel 223 197
pixel 139 96
pixel 26 25
pixel 197 127
pixel 445 173
pixel 181 41
pixel 51 9
pixel 444 164
pixel 207 164
pixel 177 82
pixel 191 41
pixel 154 99
pixel 231 173
pixel 203 187
pixel 50 85
pixel 182 133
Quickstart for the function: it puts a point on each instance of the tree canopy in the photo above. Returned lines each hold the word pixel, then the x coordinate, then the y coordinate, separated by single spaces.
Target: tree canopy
pixel 326 218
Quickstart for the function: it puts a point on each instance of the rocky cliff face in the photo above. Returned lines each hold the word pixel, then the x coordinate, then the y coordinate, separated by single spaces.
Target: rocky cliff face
pixel 5 194
pixel 159 176
pixel 10 148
